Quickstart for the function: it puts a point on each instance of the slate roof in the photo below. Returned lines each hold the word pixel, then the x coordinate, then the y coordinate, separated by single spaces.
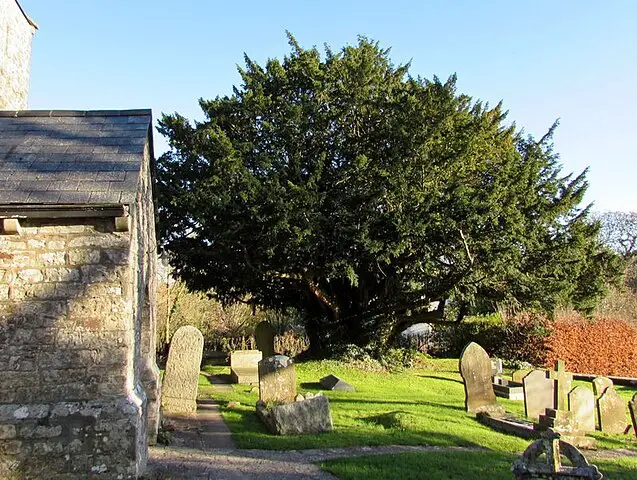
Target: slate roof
pixel 71 157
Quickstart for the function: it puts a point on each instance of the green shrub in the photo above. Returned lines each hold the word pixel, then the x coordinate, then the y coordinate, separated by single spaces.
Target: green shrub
pixel 515 339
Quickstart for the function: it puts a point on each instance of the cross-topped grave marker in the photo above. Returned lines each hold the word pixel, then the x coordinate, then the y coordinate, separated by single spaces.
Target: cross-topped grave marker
pixel 563 384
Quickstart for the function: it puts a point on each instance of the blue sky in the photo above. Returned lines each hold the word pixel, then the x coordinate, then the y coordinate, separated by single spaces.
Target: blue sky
pixel 573 60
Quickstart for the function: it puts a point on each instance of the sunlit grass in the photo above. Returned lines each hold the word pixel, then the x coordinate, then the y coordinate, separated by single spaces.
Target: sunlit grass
pixel 421 406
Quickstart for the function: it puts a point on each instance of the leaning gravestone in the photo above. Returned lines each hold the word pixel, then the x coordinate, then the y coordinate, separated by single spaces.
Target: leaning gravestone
pixel 632 407
pixel 475 368
pixel 519 375
pixel 581 402
pixel 264 335
pixel 612 412
pixel 538 394
pixel 332 382
pixel 277 380
pixel 600 384
pixel 179 388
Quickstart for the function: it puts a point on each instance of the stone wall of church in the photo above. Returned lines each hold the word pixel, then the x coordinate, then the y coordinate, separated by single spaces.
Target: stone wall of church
pixel 72 402
pixel 16 35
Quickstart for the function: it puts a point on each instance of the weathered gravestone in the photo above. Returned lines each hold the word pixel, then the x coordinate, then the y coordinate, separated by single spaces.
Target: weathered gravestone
pixel 277 380
pixel 179 388
pixel 244 366
pixel 538 394
pixel 519 375
pixel 632 407
pixel 612 412
pixel 581 402
pixel 563 384
pixel 264 335
pixel 332 382
pixel 475 368
pixel 600 384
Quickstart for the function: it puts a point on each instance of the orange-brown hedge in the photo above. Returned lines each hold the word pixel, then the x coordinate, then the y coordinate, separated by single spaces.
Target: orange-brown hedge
pixel 603 346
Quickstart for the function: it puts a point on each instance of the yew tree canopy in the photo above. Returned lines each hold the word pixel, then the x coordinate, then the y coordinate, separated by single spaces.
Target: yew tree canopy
pixel 343 186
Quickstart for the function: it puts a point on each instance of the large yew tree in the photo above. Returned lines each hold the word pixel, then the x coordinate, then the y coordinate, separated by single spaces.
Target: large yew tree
pixel 346 188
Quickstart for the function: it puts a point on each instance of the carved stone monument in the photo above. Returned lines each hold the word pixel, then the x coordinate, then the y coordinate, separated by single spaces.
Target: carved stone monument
pixel 475 368
pixel 551 448
pixel 179 389
pixel 563 384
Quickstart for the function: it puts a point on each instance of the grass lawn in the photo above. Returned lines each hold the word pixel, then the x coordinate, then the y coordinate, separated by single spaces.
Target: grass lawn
pixel 420 406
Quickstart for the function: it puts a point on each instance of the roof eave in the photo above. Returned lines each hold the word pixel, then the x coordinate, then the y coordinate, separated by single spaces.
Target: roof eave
pixel 23 210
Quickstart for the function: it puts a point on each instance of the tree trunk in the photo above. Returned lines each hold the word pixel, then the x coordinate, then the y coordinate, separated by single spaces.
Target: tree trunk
pixel 315 336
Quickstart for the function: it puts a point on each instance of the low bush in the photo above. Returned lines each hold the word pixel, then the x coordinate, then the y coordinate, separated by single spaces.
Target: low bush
pixel 515 339
pixel 603 346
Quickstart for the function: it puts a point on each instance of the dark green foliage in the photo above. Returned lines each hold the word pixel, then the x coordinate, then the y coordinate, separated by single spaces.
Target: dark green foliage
pixel 515 339
pixel 349 190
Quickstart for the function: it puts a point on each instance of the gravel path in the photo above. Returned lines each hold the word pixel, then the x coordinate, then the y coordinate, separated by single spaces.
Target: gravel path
pixel 181 463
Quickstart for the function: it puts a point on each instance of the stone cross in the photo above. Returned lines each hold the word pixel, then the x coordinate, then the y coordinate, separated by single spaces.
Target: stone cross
pixel 475 368
pixel 181 379
pixel 539 394
pixel 612 412
pixel 264 334
pixel 563 384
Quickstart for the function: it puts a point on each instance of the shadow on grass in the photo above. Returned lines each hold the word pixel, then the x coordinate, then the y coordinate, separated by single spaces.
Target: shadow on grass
pixel 401 429
pixel 311 385
pixel 435 377
pixel 429 465
pixel 394 402
pixel 218 379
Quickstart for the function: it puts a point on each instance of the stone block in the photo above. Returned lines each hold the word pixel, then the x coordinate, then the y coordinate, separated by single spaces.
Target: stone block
pixel 311 415
pixel 508 389
pixel 332 382
pixel 244 366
